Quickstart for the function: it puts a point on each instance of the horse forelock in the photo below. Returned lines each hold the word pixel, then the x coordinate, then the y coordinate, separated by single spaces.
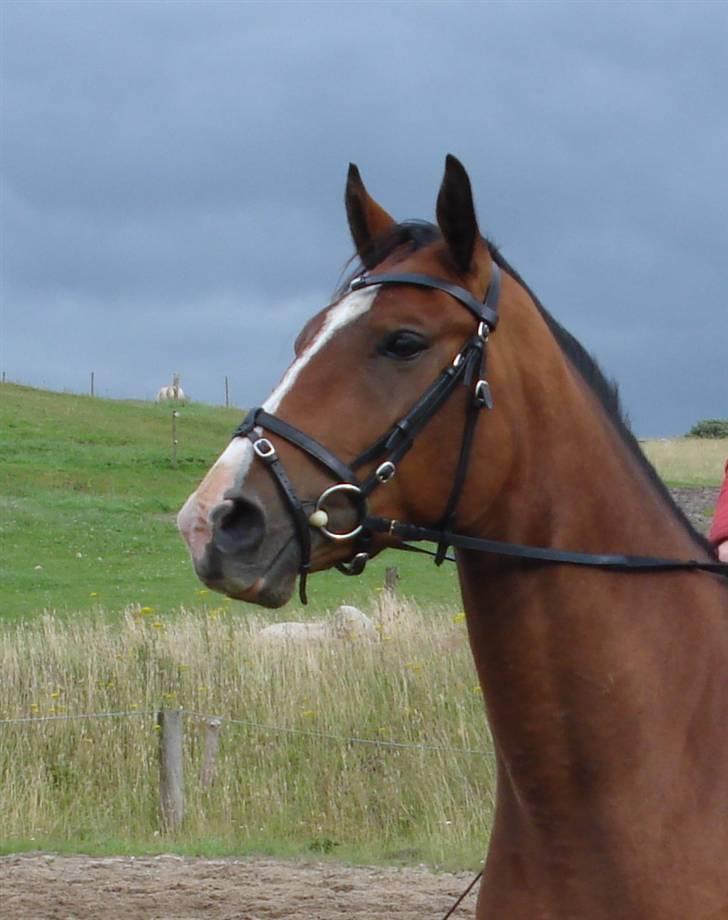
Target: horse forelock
pixel 403 239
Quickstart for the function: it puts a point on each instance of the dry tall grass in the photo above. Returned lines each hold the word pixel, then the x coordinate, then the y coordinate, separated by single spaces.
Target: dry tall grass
pixel 87 781
pixel 688 461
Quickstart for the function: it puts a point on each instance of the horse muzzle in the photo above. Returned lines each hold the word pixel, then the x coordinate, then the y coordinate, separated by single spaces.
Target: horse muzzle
pixel 245 554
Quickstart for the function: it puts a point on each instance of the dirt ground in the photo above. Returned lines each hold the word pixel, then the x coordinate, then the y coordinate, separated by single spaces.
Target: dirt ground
pixel 44 887
pixel 698 504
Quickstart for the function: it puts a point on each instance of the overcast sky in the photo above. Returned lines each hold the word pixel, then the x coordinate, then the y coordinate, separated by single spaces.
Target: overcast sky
pixel 173 175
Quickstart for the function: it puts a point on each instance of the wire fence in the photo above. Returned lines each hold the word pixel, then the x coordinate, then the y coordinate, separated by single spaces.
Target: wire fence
pixel 69 717
pixel 172 392
pixel 169 728
pixel 249 723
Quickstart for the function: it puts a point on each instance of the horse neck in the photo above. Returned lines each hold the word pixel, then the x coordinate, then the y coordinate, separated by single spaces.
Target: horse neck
pixel 587 672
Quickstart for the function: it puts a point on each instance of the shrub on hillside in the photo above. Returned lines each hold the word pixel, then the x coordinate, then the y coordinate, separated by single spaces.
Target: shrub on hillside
pixel 710 428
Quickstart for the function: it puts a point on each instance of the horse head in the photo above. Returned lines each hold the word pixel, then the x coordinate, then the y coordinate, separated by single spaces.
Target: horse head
pixel 361 366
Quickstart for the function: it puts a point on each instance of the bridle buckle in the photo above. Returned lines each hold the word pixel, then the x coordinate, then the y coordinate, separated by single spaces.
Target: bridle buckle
pixel 385 471
pixel 265 450
pixel 483 331
pixel 356 566
pixel 482 395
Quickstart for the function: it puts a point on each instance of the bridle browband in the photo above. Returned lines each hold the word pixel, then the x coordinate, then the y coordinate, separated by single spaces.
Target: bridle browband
pixel 468 369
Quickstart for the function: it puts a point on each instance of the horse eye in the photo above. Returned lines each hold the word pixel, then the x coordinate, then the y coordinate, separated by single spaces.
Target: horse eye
pixel 403 345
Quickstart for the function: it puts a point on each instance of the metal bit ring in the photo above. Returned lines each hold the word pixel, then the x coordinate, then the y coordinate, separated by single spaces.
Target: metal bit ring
pixel 353 490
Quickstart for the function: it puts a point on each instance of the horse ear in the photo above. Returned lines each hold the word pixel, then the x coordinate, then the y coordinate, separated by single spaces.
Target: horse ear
pixel 368 221
pixel 456 214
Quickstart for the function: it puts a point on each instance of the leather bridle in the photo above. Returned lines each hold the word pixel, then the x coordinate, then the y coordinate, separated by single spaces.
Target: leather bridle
pixel 468 368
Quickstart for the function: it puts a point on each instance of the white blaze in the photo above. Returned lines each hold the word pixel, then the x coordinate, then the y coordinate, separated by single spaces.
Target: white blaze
pixel 346 311
pixel 233 464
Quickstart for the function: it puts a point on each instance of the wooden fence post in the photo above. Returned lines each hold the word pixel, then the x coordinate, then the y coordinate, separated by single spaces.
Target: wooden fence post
pixel 227 393
pixel 171 778
pixel 210 744
pixel 92 384
pixel 391 577
pixel 175 415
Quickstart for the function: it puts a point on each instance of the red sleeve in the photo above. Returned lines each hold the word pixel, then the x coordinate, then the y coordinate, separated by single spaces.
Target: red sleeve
pixel 719 531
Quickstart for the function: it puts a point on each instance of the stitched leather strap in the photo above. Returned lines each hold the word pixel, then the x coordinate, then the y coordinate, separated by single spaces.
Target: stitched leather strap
pixel 259 417
pixel 541 553
pixel 399 439
pixel 300 518
pixel 485 311
pixel 476 361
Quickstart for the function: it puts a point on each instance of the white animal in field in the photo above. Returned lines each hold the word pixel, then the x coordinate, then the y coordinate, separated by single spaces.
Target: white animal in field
pixel 171 394
pixel 346 623
pixel 350 623
pixel 295 632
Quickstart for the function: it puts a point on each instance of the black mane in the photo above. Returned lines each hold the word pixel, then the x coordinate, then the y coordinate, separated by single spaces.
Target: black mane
pixel 606 391
pixel 417 234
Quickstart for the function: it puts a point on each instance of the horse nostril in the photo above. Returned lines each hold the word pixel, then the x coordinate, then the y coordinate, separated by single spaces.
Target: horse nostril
pixel 239 526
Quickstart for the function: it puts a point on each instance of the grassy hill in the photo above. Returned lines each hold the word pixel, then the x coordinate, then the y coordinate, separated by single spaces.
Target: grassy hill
pixel 88 496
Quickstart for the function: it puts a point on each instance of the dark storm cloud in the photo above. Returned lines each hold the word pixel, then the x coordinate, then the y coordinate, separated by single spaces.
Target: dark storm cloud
pixel 173 173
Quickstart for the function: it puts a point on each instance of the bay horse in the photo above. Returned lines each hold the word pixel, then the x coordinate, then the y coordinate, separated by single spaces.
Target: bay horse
pixel 606 691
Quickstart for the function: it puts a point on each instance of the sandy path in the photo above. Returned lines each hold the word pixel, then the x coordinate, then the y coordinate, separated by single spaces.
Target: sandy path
pixel 43 887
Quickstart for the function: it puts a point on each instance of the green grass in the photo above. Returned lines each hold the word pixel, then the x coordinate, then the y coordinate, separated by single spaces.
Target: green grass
pixel 88 497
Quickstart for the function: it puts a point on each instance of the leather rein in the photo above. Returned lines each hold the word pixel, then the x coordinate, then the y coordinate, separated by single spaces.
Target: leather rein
pixel 467 369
